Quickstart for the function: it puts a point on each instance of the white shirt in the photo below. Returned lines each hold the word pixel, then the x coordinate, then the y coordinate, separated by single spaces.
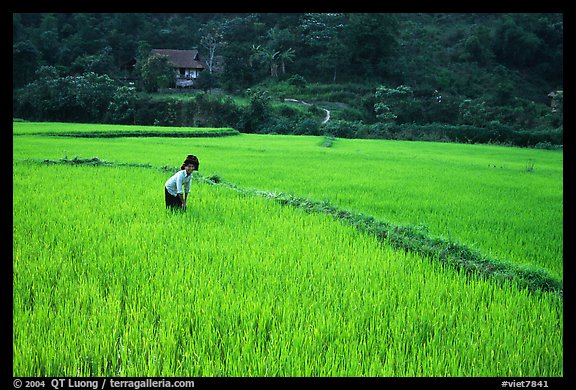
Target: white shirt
pixel 176 183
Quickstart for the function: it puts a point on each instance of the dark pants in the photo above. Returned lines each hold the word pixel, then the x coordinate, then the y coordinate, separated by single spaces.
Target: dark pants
pixel 172 201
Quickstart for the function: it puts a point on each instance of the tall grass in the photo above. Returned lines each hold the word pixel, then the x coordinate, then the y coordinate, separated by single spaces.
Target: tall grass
pixel 107 282
pixel 479 195
pixel 91 130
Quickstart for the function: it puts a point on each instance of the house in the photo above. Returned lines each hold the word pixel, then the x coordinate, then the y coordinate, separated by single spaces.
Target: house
pixel 186 63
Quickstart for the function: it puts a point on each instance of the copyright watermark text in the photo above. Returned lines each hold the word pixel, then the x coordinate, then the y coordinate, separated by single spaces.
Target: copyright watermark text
pixel 100 383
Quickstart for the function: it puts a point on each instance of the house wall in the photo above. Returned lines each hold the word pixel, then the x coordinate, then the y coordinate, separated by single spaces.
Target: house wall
pixel 188 73
pixel 186 79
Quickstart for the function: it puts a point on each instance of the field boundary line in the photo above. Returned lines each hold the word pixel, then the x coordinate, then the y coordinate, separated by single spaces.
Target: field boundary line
pixel 415 239
pixel 133 135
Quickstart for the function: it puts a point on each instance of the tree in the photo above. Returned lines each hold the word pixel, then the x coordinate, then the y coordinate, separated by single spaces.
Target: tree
pixel 478 46
pixel 258 112
pixel 212 39
pixel 48 39
pixel 286 56
pixel 280 39
pixel 239 76
pixel 323 33
pixel 84 98
pixel 267 56
pixel 391 101
pixel 121 108
pixel 93 94
pixel 25 61
pixel 100 63
pixel 205 81
pixel 155 72
pixel 515 46
pixel 369 39
pixel 473 112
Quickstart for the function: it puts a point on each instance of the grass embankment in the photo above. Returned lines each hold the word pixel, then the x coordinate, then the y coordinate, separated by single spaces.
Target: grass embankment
pixel 89 130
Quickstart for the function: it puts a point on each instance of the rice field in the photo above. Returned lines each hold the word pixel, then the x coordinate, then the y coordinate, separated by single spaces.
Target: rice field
pixel 89 130
pixel 481 195
pixel 106 282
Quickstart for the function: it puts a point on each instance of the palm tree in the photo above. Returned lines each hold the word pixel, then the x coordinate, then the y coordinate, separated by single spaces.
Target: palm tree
pixel 268 56
pixel 286 55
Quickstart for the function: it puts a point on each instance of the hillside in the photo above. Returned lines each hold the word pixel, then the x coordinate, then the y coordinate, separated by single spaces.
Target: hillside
pixel 490 71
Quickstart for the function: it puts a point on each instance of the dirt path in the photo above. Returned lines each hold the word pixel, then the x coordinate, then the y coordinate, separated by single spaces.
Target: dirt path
pixel 326 118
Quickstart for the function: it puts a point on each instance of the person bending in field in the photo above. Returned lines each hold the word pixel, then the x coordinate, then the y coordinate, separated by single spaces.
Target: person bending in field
pixel 177 188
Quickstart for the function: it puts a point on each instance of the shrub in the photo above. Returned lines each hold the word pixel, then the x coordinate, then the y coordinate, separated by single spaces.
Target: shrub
pixel 84 98
pixel 297 81
pixel 307 127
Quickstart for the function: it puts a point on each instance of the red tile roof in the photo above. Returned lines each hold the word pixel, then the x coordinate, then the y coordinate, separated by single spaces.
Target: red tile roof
pixel 182 58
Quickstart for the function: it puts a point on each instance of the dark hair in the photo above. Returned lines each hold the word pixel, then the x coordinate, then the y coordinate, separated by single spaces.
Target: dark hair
pixel 191 159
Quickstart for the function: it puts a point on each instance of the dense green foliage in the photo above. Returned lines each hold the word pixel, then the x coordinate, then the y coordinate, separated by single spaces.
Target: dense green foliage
pixel 490 71
pixel 108 283
pixel 357 46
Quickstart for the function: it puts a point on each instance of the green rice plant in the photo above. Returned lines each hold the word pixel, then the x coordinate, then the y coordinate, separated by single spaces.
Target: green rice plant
pixel 92 130
pixel 478 195
pixel 408 238
pixel 107 282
